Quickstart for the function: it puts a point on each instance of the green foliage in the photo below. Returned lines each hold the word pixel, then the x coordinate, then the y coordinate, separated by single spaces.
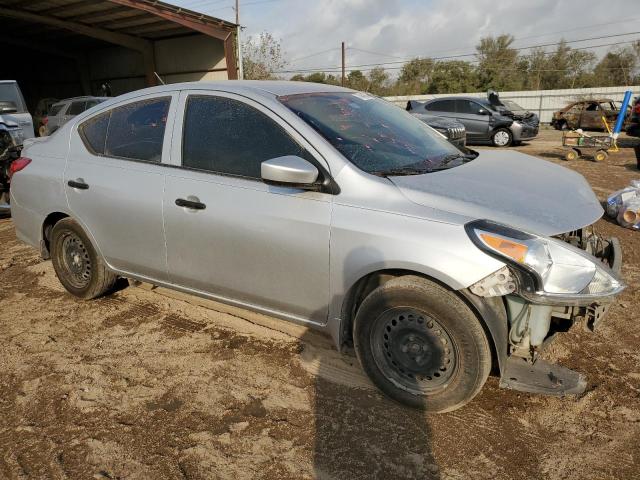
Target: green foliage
pixel 262 57
pixel 501 67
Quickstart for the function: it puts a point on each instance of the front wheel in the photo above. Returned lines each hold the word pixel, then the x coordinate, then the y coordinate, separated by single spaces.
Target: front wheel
pixel 421 344
pixel 502 137
pixel 76 263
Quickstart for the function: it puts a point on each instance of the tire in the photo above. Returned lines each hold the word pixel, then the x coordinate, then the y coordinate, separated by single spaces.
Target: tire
pixel 421 344
pixel 79 268
pixel 600 156
pixel 502 137
pixel 571 155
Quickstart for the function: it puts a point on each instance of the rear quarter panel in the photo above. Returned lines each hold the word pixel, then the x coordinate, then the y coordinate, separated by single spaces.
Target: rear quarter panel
pixel 38 190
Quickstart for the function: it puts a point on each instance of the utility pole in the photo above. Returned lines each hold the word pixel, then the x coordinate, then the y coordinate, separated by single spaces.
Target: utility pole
pixel 342 63
pixel 238 42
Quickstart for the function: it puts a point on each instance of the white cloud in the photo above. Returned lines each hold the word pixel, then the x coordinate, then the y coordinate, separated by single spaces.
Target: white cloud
pixel 406 28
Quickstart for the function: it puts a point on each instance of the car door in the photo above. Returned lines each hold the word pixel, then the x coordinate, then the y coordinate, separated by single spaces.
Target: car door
pixel 572 115
pixel 442 108
pixel 591 116
pixel 477 124
pixel 114 181
pixel 244 241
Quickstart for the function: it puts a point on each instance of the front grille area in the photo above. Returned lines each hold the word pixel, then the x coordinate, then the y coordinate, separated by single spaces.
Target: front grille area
pixel 456 132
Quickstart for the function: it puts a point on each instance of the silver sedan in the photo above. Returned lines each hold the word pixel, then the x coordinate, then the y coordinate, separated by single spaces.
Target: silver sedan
pixel 334 209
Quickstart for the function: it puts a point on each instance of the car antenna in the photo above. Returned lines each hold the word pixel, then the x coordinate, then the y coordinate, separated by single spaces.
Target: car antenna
pixel 158 77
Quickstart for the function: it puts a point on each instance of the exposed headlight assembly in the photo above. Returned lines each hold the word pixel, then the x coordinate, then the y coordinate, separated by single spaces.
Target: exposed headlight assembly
pixel 548 270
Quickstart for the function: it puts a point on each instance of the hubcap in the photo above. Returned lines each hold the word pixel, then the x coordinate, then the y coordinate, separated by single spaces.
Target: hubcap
pixel 413 350
pixel 501 138
pixel 76 260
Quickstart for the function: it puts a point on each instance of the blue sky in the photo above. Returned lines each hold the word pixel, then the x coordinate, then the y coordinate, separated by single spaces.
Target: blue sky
pixel 387 31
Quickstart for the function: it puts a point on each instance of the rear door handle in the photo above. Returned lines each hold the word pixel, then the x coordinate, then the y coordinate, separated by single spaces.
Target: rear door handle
pixel 181 202
pixel 79 184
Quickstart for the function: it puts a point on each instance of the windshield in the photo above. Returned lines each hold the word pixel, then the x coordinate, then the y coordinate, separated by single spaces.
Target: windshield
pixel 513 106
pixel 375 135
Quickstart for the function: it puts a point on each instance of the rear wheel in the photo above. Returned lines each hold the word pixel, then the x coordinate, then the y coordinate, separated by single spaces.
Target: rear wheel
pixel 78 267
pixel 421 344
pixel 501 138
pixel 600 155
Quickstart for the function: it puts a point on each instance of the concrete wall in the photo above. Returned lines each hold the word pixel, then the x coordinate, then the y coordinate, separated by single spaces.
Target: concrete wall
pixel 542 102
pixel 183 59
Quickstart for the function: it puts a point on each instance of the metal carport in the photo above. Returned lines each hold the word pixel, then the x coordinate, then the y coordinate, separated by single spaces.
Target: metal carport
pixel 62 48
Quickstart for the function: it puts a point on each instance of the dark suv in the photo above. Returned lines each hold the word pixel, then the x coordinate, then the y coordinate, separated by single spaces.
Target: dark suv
pixel 485 122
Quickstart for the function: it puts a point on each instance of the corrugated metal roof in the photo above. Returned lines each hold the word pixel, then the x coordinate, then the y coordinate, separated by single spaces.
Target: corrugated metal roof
pixel 46 22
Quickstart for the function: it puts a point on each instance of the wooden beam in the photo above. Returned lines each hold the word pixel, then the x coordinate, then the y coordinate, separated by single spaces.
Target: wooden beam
pixel 186 20
pixel 230 57
pixel 129 41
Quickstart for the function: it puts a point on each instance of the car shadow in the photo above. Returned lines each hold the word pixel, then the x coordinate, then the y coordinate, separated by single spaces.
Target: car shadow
pixel 359 432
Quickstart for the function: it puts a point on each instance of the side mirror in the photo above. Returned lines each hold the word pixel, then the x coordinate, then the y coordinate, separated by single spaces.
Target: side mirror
pixel 289 170
pixel 482 111
pixel 8 107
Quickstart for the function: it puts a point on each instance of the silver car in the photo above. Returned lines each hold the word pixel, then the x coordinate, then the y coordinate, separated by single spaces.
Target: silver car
pixel 333 209
pixel 64 110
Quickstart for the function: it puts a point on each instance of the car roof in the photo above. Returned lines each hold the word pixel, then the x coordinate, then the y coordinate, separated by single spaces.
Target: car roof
pixel 257 87
pixel 85 97
pixel 8 81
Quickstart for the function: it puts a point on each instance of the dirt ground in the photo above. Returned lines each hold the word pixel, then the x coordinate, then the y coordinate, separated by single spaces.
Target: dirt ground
pixel 144 384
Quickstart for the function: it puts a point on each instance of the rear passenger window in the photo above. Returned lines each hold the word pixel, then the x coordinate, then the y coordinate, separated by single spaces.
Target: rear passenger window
pixel 76 108
pixel 229 137
pixel 136 130
pixel 94 132
pixel 441 106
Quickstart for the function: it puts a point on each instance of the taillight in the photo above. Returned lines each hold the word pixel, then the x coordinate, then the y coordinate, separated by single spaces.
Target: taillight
pixel 17 165
pixel 637 108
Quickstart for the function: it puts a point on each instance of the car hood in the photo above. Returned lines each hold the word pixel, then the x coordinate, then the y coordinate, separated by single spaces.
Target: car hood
pixel 510 188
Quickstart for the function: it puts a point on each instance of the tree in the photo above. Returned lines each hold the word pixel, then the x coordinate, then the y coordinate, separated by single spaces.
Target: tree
pixel 414 76
pixel 498 66
pixel 453 76
pixel 616 68
pixel 357 80
pixel 379 82
pixel 262 57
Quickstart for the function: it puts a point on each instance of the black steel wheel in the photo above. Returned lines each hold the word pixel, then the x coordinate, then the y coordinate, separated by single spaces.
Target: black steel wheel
pixel 78 267
pixel 421 344
pixel 413 350
pixel 75 260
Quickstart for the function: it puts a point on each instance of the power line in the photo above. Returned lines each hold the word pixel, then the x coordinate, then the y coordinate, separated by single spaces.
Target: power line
pixel 474 54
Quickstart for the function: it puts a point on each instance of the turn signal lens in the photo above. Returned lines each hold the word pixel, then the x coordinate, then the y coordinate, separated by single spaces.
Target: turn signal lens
pixel 516 251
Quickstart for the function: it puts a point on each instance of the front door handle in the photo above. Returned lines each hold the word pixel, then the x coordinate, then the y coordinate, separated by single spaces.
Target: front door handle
pixel 181 202
pixel 79 184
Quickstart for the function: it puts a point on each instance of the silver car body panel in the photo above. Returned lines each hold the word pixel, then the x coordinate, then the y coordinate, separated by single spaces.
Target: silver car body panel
pixel 283 251
pixel 500 185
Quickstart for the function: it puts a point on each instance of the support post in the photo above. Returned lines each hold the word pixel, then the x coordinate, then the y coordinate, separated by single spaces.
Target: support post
pixel 239 41
pixel 343 68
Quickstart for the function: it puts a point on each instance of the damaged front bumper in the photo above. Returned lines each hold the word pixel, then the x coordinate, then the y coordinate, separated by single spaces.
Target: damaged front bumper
pixel 533 326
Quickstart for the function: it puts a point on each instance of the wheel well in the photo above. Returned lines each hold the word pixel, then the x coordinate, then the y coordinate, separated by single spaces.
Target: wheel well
pixel 47 226
pixel 364 287
pixel 370 282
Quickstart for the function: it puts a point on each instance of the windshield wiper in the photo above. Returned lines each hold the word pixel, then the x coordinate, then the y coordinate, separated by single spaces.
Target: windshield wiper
pixel 399 171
